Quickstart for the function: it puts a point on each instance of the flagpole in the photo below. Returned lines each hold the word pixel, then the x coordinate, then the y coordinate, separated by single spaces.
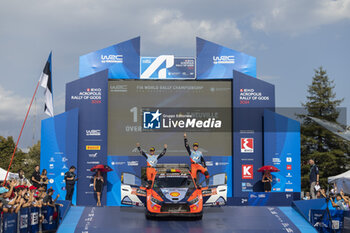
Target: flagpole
pixel 20 134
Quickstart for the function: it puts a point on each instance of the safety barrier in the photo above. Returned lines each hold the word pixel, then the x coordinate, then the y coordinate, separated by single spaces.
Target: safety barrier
pixel 315 211
pixel 33 219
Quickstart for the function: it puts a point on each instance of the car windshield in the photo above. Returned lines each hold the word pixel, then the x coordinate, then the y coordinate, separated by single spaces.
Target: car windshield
pixel 173 182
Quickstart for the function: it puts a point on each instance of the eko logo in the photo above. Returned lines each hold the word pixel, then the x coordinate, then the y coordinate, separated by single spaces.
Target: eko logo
pixel 151 120
pixel 111 58
pixel 247 171
pixel 247 145
pixel 159 64
pixel 223 60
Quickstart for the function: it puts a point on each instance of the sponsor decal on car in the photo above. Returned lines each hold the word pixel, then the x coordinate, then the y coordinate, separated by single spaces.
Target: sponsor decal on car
pixel 174 194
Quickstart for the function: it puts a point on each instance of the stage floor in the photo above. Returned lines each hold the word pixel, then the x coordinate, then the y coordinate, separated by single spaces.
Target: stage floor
pixel 215 219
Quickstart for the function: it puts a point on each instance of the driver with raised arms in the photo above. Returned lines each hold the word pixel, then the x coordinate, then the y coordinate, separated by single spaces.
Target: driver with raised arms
pixel 152 160
pixel 197 160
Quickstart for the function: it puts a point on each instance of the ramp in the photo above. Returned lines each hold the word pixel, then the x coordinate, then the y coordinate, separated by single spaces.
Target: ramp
pixel 216 219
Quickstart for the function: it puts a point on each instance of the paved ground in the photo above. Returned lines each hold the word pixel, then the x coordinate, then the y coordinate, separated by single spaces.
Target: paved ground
pixel 216 219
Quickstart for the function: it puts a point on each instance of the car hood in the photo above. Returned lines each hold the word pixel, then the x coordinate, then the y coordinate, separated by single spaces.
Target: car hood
pixel 174 195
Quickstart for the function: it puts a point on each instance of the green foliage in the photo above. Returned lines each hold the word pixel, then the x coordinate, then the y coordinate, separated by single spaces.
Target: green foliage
pixel 21 160
pixel 328 150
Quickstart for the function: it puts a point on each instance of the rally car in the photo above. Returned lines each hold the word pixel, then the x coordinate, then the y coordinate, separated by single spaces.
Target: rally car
pixel 173 192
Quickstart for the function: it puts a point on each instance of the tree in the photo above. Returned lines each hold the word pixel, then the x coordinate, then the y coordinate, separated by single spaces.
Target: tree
pixel 32 159
pixel 7 146
pixel 328 150
pixel 21 160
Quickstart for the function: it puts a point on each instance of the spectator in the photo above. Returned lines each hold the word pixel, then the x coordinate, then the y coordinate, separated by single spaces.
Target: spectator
pixel 21 177
pixel 43 179
pixel 318 195
pixel 307 196
pixel 16 196
pixel 334 189
pixel 41 193
pixel 314 178
pixel 11 204
pixel 339 203
pixel 345 198
pixel 48 199
pixel 35 201
pixel 98 185
pixel 36 177
pixel 267 179
pixel 70 182
pixel 3 200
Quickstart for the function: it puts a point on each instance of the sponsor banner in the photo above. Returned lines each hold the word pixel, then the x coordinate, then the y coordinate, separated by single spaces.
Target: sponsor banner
pixel 133 164
pixel 34 219
pixel 248 132
pixel 186 119
pixel 247 145
pixel 217 62
pixel 9 221
pixel 127 101
pixel 247 172
pixel 49 222
pixel 92 130
pixel 167 67
pixel 24 220
pixel 282 150
pixel 251 96
pixel 322 222
pixel 271 199
pixel 121 60
pixel 93 147
pixel 59 148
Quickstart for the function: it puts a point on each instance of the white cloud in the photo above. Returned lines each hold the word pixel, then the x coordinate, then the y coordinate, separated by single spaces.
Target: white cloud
pixel 297 17
pixel 12 106
pixel 174 28
pixel 333 11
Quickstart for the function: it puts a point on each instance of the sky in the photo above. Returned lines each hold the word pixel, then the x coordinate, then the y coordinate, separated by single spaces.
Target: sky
pixel 289 39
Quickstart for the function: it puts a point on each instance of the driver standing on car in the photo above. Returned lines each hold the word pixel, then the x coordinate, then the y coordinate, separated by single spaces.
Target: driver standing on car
pixel 197 160
pixel 152 160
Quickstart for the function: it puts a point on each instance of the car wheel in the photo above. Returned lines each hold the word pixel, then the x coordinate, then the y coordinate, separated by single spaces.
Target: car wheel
pixel 198 217
pixel 149 216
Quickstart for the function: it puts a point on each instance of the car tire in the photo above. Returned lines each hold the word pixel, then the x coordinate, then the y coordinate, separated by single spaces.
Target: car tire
pixel 149 216
pixel 198 217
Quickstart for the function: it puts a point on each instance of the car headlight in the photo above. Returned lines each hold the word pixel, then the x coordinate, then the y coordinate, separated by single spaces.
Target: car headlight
pixel 141 192
pixel 206 191
pixel 155 200
pixel 193 201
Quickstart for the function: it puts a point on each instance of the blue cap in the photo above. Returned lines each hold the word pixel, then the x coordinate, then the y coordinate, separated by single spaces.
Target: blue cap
pixel 3 190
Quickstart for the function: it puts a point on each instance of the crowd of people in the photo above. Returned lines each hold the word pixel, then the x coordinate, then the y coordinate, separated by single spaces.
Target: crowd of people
pixel 21 193
pixel 337 197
